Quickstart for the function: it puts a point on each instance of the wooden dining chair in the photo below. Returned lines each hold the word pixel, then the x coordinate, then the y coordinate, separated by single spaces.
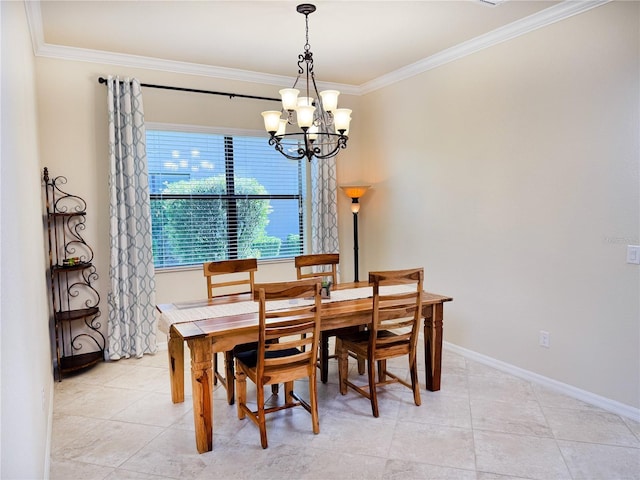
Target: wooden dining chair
pixel 393 332
pixel 239 278
pixel 321 265
pixel 318 265
pixel 280 357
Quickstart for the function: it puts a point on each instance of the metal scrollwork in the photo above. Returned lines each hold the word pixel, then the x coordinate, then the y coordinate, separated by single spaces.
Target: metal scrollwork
pixel 74 297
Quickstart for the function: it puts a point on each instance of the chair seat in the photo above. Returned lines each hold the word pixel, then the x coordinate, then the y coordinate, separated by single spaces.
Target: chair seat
pixel 360 340
pixel 250 358
pixel 244 347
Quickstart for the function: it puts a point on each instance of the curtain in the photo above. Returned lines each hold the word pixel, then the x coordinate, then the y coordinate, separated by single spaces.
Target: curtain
pixel 131 298
pixel 324 210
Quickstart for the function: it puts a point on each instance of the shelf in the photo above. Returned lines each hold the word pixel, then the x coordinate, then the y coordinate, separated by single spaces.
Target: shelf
pixel 69 268
pixel 74 298
pixel 67 214
pixel 81 361
pixel 76 314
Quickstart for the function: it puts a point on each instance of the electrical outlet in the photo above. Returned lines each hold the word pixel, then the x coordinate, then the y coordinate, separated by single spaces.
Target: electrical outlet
pixel 544 338
pixel 633 254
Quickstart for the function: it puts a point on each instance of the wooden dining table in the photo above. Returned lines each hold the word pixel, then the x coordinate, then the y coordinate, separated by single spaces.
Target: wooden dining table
pixel 221 333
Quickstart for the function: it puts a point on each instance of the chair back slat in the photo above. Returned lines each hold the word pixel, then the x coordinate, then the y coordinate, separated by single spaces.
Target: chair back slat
pixel 230 267
pixel 307 266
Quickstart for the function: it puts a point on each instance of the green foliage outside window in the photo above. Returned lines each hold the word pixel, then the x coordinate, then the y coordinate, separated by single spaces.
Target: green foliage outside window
pixel 195 230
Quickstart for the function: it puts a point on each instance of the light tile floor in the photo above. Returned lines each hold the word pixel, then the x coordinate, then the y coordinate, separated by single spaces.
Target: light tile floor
pixel 117 421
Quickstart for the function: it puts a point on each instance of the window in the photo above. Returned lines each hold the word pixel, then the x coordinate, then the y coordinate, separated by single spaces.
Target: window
pixel 218 196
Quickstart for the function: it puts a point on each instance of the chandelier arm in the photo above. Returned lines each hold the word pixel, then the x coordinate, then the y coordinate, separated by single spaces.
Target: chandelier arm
pixel 341 143
pixel 309 150
pixel 275 142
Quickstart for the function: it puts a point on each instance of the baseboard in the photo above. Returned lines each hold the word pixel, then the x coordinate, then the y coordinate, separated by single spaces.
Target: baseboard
pixel 47 449
pixel 588 397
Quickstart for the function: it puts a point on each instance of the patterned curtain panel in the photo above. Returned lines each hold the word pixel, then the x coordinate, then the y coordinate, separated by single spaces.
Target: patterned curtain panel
pixel 324 209
pixel 131 299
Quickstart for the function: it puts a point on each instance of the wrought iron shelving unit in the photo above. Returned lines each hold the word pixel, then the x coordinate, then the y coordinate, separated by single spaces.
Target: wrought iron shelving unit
pixel 79 344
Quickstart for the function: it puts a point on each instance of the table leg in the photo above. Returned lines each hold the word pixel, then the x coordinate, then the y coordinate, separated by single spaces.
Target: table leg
pixel 433 345
pixel 175 344
pixel 202 386
pixel 324 357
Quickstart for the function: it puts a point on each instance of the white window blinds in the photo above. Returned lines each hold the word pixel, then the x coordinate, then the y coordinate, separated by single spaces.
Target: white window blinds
pixel 217 196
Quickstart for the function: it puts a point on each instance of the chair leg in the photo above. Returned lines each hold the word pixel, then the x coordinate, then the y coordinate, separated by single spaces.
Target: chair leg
pixel 324 357
pixel 343 366
pixel 241 382
pixel 262 421
pixel 288 390
pixel 215 368
pixel 372 387
pixel 361 363
pixel 415 384
pixel 382 370
pixel 229 376
pixel 313 401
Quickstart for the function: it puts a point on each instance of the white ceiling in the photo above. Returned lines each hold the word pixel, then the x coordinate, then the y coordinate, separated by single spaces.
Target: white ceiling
pixel 354 43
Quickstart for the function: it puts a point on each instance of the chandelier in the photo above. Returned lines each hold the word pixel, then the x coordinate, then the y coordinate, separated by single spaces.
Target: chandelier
pixel 324 127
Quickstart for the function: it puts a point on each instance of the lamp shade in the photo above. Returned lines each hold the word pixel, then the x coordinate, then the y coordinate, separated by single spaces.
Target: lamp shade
pixel 271 120
pixel 342 119
pixel 313 132
pixel 355 191
pixel 304 102
pixel 329 99
pixel 305 116
pixel 289 98
pixel 282 128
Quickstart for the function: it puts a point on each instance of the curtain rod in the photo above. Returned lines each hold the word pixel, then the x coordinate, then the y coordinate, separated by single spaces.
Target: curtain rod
pixel 195 90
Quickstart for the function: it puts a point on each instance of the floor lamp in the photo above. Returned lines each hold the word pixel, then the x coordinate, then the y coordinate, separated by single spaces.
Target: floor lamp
pixel 354 192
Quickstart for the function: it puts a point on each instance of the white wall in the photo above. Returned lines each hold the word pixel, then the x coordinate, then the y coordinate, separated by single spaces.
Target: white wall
pixel 25 362
pixel 511 175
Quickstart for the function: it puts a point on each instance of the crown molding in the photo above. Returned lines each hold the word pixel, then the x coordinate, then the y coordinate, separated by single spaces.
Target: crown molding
pixel 561 11
pixel 150 63
pixel 34 20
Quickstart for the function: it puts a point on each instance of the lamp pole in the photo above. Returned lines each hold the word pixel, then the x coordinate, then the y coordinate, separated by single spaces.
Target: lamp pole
pixel 354 192
pixel 355 208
